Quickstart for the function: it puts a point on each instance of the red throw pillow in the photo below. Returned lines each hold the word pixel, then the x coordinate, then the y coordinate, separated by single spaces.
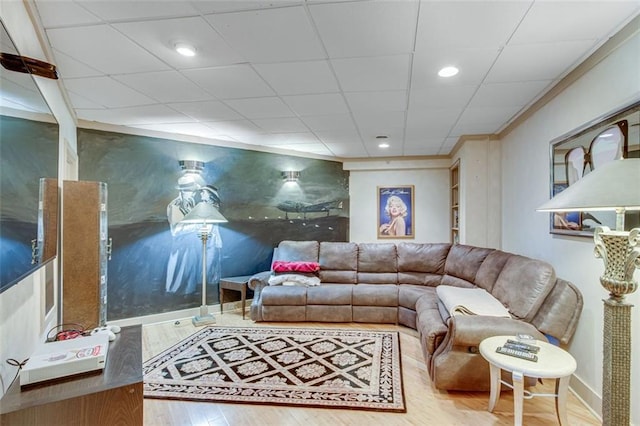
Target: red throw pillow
pixel 282 266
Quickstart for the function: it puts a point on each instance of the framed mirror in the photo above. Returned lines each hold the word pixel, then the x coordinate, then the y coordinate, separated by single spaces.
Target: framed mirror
pixel 28 174
pixel 574 155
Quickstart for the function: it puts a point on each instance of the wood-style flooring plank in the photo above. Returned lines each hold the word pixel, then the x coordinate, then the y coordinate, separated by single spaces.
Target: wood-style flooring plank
pixel 425 404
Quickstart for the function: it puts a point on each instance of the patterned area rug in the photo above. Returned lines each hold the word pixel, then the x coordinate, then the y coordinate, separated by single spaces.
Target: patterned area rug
pixel 305 367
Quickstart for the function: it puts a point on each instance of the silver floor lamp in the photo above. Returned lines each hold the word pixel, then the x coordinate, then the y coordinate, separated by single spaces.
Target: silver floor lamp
pixel 613 186
pixel 206 215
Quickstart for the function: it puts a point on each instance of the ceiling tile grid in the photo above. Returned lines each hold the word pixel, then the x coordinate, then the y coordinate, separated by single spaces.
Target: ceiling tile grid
pixel 322 77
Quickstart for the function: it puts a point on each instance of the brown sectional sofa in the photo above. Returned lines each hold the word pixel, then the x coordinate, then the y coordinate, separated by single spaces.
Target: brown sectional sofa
pixel 396 284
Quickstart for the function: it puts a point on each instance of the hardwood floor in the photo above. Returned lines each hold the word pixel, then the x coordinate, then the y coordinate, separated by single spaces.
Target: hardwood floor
pixel 425 404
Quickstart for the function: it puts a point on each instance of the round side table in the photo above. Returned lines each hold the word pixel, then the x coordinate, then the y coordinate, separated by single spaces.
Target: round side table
pixel 553 363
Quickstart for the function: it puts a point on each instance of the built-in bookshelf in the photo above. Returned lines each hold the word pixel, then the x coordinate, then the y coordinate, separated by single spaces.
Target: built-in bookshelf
pixel 455 202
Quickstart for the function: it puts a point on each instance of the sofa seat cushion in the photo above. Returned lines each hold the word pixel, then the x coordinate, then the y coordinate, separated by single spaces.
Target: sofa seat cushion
pixel 330 294
pixel 375 295
pixel 408 295
pixel 284 296
pixel 431 328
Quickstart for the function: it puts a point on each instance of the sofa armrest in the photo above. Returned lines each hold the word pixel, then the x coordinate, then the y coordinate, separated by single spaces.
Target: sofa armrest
pixel 470 330
pixel 259 281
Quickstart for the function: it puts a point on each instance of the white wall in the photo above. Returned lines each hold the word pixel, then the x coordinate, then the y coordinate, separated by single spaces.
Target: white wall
pixel 431 197
pixel 22 320
pixel 613 82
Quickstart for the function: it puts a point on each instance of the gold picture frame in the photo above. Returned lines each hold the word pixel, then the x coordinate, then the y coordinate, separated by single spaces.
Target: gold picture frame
pixel 396 211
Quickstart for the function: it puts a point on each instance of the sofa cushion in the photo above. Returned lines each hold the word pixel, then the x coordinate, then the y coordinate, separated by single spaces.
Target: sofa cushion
pixel 332 294
pixel 284 296
pixel 377 257
pixel 297 251
pixel 523 284
pixel 464 261
pixel 419 278
pixel 408 295
pixel 338 262
pixel 415 257
pixel 375 295
pixel 490 269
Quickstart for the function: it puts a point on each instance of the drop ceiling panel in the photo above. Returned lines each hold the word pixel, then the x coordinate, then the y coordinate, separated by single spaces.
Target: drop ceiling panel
pixel 242 130
pixel 508 94
pixel 271 107
pixel 270 35
pixel 107 92
pixel 164 86
pixel 221 6
pixel 64 14
pixel 316 104
pixel 297 78
pixel 281 125
pixel 71 68
pixel 342 122
pixel 147 114
pixel 347 150
pixel 383 27
pixel 485 119
pixel 193 129
pixel 232 82
pixel 111 10
pixel 372 124
pixel 372 74
pixel 290 138
pixel 536 61
pixel 394 100
pixel 105 49
pixel 206 111
pixel 480 24
pixel 596 20
pixel 442 96
pixel 431 123
pixel 160 38
pixel 339 137
pixel 312 148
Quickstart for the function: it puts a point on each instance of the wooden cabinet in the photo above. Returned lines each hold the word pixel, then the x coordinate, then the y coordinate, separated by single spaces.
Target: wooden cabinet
pixel 113 397
pixel 455 202
pixel 84 253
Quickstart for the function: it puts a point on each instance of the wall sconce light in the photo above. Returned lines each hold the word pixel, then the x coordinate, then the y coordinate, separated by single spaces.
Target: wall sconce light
pixel 291 176
pixel 192 166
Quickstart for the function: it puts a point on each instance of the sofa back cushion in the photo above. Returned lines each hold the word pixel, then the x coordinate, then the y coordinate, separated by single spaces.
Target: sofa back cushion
pixel 490 269
pixel 523 284
pixel 377 263
pixel 421 264
pixel 297 251
pixel 338 263
pixel 462 264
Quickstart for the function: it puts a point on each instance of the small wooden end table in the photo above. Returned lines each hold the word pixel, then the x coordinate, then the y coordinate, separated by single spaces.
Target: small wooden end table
pixel 236 284
pixel 553 363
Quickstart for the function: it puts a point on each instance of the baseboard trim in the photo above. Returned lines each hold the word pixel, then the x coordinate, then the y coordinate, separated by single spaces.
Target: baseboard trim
pixel 181 314
pixel 587 396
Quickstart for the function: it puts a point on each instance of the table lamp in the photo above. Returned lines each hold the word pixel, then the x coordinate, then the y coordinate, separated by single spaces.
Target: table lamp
pixel 204 214
pixel 613 186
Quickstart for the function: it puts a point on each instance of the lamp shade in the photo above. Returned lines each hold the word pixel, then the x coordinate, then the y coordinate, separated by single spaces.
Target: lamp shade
pixel 203 213
pixel 613 186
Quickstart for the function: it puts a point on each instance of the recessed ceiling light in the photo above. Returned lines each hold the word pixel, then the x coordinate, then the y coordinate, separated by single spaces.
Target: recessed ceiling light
pixel 448 72
pixel 383 141
pixel 185 49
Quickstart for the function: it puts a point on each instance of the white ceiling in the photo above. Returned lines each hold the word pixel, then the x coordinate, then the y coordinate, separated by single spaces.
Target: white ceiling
pixel 322 77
